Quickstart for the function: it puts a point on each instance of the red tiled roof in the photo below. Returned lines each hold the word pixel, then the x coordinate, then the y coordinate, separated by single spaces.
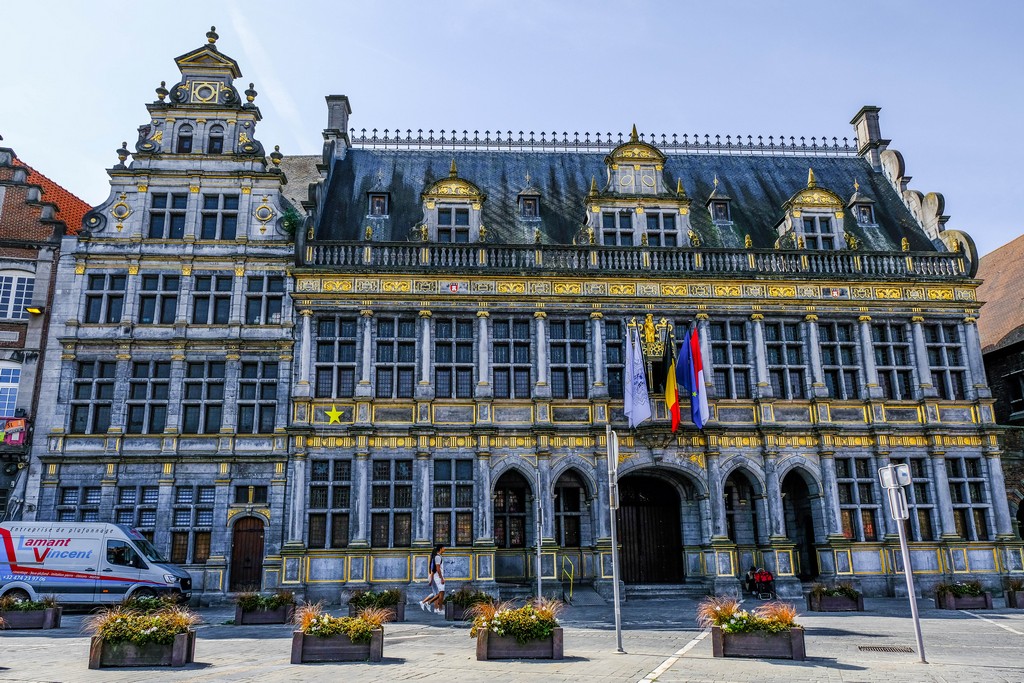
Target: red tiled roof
pixel 70 209
pixel 1001 322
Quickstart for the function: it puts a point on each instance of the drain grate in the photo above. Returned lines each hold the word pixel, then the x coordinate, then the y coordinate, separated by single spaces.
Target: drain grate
pixel 904 649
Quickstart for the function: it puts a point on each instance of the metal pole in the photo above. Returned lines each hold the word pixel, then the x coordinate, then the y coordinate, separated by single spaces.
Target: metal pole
pixel 540 527
pixel 910 587
pixel 613 456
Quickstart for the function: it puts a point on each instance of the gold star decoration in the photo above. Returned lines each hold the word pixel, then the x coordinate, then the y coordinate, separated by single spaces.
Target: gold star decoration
pixel 333 414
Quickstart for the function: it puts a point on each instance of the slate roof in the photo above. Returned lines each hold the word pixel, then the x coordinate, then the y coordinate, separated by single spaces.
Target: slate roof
pixel 300 171
pixel 758 185
pixel 1001 322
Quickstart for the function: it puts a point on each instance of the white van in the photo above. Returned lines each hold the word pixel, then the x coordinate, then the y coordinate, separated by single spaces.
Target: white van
pixel 84 562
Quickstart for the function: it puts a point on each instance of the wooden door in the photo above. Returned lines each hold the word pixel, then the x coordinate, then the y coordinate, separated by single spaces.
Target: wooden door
pixel 649 532
pixel 247 554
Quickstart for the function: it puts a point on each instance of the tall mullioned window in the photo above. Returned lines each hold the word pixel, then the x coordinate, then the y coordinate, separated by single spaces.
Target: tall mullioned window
pixel 203 404
pixel 104 297
pixel 329 503
pixel 858 499
pixel 661 229
pixel 391 504
pixel 453 502
pixel 453 358
pixel 148 391
pixel 510 358
pixel 730 357
pixel 211 299
pixel 946 360
pixel 257 397
pixel 158 299
pixel 92 397
pixel 819 233
pixel 617 228
pixel 969 493
pixel 137 507
pixel 79 503
pixel 264 298
pixel 569 359
pixel 921 525
pixel 10 380
pixel 191 524
pixel 167 216
pixel 892 359
pixel 615 366
pixel 15 294
pixel 510 510
pixel 335 367
pixel 785 352
pixel 839 359
pixel 568 510
pixel 219 220
pixel 395 365
pixel 452 224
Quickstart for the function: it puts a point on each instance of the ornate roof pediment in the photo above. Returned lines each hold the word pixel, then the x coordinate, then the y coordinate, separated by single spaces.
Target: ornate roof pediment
pixel 635 151
pixel 813 196
pixel 208 59
pixel 453 187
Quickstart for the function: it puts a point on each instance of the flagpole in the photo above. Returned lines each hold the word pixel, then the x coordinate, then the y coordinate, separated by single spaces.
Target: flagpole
pixel 612 441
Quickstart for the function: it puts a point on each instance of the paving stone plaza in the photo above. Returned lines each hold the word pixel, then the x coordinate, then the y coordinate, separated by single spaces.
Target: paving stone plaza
pixel 661 640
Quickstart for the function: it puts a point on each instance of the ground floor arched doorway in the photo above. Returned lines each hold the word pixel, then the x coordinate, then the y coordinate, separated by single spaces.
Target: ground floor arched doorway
pixel 799 516
pixel 649 531
pixel 246 554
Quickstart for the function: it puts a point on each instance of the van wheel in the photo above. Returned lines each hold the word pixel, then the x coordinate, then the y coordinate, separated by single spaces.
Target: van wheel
pixel 144 593
pixel 17 594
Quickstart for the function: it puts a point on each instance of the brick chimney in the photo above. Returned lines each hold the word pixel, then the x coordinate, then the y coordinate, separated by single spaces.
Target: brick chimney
pixel 338 111
pixel 869 136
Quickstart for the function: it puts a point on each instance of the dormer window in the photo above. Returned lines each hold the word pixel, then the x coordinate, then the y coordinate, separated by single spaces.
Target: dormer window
pixel 819 233
pixel 215 143
pixel 661 229
pixel 720 212
pixel 617 228
pixel 865 214
pixel 529 207
pixel 452 225
pixel 184 139
pixel 378 204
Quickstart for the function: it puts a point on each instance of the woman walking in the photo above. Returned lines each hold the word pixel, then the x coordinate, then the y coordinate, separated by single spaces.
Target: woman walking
pixel 435 577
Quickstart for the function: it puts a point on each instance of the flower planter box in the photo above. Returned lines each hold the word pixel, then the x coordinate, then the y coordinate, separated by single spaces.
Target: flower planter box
pixel 281 615
pixel 39 618
pixel 397 611
pixel 835 603
pixel 179 653
pixel 490 646
pixel 784 645
pixel 1015 599
pixel 338 648
pixel 453 612
pixel 950 601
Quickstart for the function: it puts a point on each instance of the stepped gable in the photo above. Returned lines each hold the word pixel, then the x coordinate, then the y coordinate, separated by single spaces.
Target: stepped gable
pixel 25 223
pixel 759 186
pixel 1001 322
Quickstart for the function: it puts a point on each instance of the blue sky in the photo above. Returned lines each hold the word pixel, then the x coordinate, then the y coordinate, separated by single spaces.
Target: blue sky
pixel 948 76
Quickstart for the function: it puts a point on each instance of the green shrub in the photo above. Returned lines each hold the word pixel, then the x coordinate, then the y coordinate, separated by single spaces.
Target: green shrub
pixel 1015 585
pixel 467 598
pixel 960 589
pixel 534 621
pixel 252 601
pixel 148 604
pixel 846 590
pixel 388 598
pixel 125 625
pixel 313 621
pixel 8 603
pixel 771 617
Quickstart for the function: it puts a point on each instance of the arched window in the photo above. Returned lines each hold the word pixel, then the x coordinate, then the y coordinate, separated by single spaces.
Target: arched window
pixel 185 139
pixel 215 144
pixel 16 287
pixel 510 511
pixel 10 377
pixel 568 510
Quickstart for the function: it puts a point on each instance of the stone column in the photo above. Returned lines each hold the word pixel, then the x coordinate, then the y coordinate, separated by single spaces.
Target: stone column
pixel 542 389
pixel 421 526
pixel 297 501
pixel 425 390
pixel 485 509
pixel 360 509
pixel 232 371
pixel 599 388
pixel 776 514
pixel 764 385
pixel 818 387
pixel 547 497
pixel 122 373
pixel 974 358
pixel 483 386
pixel 942 497
pixel 924 371
pixel 830 495
pixel 176 389
pixel 302 387
pixel 867 353
pixel 602 529
pixel 1000 506
pixel 716 490
pixel 363 389
pixel 704 337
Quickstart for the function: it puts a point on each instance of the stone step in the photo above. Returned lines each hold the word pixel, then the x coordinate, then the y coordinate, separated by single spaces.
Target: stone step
pixel 583 596
pixel 661 591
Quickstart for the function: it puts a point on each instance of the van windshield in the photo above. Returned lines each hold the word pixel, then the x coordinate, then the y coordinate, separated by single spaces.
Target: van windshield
pixel 148 551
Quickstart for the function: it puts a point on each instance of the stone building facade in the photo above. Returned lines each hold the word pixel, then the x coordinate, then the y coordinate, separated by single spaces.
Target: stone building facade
pixel 35 212
pixel 436 355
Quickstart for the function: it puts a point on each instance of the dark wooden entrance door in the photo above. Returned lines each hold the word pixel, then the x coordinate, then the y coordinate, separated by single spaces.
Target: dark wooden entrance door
pixel 246 554
pixel 648 520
